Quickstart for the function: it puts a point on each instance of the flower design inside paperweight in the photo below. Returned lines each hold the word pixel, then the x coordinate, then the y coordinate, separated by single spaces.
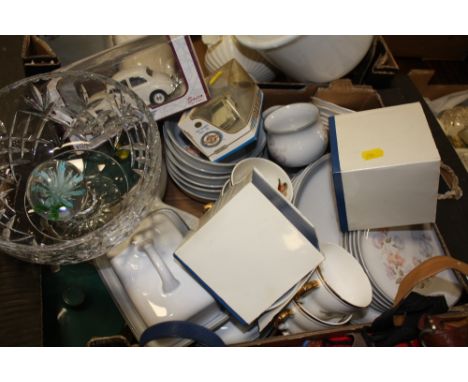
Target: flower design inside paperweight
pixel 56 190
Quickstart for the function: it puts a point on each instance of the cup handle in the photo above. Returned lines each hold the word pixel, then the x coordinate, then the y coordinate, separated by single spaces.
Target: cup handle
pixel 283 316
pixel 306 288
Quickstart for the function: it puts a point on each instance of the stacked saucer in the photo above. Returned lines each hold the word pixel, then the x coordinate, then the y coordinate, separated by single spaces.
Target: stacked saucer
pixel 387 255
pixel 197 176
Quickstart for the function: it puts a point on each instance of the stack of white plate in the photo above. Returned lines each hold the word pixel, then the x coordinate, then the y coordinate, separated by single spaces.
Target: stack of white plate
pixel 197 176
pixel 387 255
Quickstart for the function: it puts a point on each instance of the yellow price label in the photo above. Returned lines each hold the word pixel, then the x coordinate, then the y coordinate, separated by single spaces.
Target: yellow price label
pixel 372 154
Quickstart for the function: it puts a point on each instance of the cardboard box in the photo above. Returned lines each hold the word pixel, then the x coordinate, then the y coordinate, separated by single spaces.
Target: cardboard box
pixel 250 249
pixel 386 167
pixel 231 119
pixel 38 57
pixel 422 80
pixel 378 67
pixel 429 47
pixel 162 70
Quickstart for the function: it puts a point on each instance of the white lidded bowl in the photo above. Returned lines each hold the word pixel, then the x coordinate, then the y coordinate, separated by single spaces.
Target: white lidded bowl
pixel 295 134
pixel 311 58
pixel 222 49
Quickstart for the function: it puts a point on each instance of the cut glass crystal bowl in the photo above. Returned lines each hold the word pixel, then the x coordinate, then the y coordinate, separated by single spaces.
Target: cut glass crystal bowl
pixel 80 161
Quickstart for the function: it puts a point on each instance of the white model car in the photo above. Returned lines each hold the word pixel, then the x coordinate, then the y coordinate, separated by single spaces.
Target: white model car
pixel 150 87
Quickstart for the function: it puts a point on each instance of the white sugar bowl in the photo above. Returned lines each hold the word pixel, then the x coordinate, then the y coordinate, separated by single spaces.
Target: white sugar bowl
pixel 295 134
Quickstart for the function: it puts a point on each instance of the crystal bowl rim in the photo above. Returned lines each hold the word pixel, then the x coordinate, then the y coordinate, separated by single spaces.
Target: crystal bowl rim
pixel 151 172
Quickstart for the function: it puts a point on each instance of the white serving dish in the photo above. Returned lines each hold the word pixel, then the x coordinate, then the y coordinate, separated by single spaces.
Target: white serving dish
pixel 136 286
pixel 311 58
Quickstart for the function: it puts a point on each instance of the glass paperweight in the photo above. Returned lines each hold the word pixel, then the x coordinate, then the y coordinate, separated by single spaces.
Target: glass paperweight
pixel 80 159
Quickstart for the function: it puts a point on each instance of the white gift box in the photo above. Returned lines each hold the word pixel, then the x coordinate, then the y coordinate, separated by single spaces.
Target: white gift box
pixel 250 249
pixel 386 167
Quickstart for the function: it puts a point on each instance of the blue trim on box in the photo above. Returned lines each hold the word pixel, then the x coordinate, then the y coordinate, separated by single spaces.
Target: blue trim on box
pixel 253 139
pixel 211 291
pixel 336 173
pixel 286 209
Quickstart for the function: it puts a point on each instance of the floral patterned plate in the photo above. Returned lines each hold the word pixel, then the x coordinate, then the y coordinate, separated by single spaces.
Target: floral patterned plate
pixel 379 301
pixel 389 254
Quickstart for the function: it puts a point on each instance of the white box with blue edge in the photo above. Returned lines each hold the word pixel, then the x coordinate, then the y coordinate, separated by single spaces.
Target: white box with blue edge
pixel 386 167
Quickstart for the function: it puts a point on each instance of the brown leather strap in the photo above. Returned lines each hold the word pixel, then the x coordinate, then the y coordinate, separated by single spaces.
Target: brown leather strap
pixel 425 270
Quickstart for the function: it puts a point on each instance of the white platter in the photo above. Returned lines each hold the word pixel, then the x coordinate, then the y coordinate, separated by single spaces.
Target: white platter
pixel 314 196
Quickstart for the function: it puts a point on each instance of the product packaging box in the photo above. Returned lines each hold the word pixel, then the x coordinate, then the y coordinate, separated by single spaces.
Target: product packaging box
pixel 386 167
pixel 162 70
pixel 231 119
pixel 250 249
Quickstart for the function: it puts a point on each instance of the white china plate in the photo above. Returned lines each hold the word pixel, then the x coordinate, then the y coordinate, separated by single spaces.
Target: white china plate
pixel 389 254
pixel 349 244
pixel 206 186
pixel 193 175
pixel 314 196
pixel 379 301
pixel 195 193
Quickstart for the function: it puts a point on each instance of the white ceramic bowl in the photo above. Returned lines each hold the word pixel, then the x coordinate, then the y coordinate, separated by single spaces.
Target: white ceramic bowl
pixel 297 319
pixel 273 174
pixel 343 286
pixel 311 58
pixel 222 49
pixel 295 134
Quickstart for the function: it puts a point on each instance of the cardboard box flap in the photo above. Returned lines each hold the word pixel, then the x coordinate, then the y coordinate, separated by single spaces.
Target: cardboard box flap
pixel 354 97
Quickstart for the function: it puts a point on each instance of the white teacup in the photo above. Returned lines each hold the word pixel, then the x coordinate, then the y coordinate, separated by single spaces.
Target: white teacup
pixel 297 319
pixel 338 286
pixel 295 134
pixel 273 174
